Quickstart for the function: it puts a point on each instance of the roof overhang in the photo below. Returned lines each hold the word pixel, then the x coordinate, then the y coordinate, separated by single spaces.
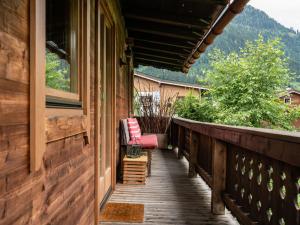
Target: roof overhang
pixel 172 34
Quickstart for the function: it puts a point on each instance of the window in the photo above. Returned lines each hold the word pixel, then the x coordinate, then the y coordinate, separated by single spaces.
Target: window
pixel 62 52
pixel 59 67
pixel 287 100
pixel 147 101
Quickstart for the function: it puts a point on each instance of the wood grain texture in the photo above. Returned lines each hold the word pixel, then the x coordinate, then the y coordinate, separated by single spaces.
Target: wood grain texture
pixel 37 82
pixel 280 145
pixel 170 197
pixel 256 169
pixel 54 193
pixel 65 126
pixel 219 154
pixel 62 190
pixel 241 216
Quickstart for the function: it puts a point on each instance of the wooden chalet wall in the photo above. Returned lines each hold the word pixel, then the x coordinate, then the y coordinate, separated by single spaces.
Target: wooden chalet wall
pixel 295 99
pixel 166 90
pixel 62 191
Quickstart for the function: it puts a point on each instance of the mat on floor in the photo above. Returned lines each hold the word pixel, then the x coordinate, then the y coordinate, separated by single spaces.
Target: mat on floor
pixel 122 212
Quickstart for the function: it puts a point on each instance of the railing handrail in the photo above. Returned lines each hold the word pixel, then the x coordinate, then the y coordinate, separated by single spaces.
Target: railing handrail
pixel 253 171
pixel 264 132
pixel 285 145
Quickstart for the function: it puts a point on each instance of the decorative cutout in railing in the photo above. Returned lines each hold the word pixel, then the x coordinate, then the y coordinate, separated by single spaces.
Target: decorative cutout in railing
pixel 262 180
pixel 270 186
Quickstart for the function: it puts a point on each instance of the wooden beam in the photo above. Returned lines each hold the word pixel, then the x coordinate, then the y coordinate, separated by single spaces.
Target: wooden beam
pixel 146 30
pixel 186 50
pixel 160 42
pixel 193 139
pixel 86 68
pixel 237 212
pixel 97 110
pixel 195 20
pixel 168 20
pixel 221 2
pixel 158 56
pixel 156 60
pixel 166 48
pixel 159 50
pixel 37 83
pixel 159 65
pixel 284 144
pixel 204 175
pixel 219 155
pixel 135 35
pixel 192 43
pixel 181 140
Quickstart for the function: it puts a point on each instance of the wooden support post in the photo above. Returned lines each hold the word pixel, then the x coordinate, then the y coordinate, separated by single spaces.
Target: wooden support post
pixel 180 144
pixel 37 84
pixel 219 154
pixel 193 154
pixel 149 154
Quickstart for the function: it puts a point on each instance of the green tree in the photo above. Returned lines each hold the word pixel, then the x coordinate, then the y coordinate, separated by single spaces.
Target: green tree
pixel 244 27
pixel 244 86
pixel 196 108
pixel 57 72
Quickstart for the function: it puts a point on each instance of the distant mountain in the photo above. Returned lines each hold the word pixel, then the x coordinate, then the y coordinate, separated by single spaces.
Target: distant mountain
pixel 245 27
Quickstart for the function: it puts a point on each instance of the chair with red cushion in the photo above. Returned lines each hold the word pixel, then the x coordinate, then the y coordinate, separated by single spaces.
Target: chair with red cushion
pixel 131 135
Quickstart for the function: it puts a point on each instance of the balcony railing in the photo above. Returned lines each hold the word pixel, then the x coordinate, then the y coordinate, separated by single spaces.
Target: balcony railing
pixel 255 173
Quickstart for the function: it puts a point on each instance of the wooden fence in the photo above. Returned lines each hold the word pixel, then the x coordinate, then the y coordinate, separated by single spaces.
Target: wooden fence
pixel 255 173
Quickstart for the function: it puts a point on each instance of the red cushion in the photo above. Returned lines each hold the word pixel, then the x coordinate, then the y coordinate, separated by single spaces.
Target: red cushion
pixel 134 129
pixel 146 141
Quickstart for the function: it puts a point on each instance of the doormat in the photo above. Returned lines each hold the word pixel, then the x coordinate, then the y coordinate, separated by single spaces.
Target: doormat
pixel 122 212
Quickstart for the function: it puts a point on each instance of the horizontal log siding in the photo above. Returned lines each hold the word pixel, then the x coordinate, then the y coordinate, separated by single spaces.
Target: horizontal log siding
pixel 52 195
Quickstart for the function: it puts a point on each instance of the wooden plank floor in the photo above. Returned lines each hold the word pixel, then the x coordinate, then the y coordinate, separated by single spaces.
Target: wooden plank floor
pixel 169 196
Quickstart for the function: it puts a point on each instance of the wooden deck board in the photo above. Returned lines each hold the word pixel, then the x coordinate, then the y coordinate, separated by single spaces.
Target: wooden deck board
pixel 170 197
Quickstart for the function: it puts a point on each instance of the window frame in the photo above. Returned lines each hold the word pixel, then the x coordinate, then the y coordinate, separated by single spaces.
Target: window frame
pixel 287 100
pixel 56 98
pixel 67 102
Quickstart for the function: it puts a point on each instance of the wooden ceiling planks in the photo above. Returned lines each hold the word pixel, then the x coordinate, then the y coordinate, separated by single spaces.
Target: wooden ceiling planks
pixel 171 33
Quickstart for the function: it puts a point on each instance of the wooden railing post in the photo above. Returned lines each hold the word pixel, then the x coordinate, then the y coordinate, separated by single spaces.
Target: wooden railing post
pixel 181 134
pixel 219 154
pixel 193 154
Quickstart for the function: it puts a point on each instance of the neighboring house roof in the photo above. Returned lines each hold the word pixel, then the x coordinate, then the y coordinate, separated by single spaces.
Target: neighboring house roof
pixel 168 82
pixel 294 92
pixel 290 92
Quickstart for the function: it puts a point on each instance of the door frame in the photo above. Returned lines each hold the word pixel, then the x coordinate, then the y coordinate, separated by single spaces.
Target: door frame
pixel 102 8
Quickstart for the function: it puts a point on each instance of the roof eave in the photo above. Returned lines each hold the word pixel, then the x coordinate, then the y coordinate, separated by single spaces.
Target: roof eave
pixel 225 17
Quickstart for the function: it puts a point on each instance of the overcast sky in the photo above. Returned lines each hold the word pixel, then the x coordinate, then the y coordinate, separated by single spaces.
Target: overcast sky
pixel 286 12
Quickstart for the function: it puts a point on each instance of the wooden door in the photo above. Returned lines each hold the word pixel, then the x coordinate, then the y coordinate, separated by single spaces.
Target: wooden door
pixel 106 146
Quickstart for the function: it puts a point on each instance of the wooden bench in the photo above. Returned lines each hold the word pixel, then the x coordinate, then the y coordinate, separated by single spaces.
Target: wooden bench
pixel 148 143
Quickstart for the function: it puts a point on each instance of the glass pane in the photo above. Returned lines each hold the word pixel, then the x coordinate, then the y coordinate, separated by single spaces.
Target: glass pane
pixel 58 43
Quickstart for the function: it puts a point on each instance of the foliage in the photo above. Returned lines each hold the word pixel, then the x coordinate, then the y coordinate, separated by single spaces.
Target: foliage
pixel 196 108
pixel 244 88
pixel 155 108
pixel 245 27
pixel 164 74
pixel 57 72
